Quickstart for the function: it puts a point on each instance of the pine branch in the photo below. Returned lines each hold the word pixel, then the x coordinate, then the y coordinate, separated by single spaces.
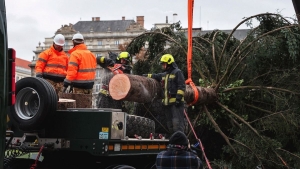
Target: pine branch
pixel 288 152
pixel 214 55
pixel 259 87
pixel 252 42
pixel 265 74
pixel 251 128
pixel 218 128
pixel 240 143
pixel 242 22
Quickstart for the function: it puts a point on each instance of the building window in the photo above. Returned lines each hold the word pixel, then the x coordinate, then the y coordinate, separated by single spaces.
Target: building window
pixel 66 44
pixel 98 73
pixel 99 43
pixel 117 42
pixel 97 87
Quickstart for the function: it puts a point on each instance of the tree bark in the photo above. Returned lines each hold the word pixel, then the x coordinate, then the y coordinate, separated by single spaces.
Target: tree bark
pixel 82 100
pixel 144 90
pixel 134 88
pixel 205 95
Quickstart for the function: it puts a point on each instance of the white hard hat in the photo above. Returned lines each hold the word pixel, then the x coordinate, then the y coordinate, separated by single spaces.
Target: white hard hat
pixel 59 39
pixel 77 36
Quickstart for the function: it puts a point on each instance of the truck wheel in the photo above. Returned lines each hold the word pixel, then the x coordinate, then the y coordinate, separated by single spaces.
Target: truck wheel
pixel 36 99
pixel 155 112
pixel 140 126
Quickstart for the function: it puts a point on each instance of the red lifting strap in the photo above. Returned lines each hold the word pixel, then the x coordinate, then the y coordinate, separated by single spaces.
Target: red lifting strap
pixel 189 69
pixel 189 81
pixel 196 93
pixel 200 143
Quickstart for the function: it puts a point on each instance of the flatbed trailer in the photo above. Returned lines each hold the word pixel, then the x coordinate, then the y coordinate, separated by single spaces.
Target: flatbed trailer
pixel 86 137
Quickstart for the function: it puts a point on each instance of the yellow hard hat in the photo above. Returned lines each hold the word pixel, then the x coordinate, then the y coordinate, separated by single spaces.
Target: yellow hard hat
pixel 124 55
pixel 167 58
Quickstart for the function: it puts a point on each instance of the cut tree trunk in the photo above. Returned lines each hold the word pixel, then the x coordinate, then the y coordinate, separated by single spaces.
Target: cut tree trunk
pixel 144 90
pixel 64 104
pixel 134 88
pixel 205 95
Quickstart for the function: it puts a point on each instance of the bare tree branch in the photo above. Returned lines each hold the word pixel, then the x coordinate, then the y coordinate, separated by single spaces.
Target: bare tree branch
pixel 219 130
pixel 259 87
pixel 227 69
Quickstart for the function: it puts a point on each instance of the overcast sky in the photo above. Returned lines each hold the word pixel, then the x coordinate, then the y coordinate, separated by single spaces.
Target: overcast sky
pixel 30 21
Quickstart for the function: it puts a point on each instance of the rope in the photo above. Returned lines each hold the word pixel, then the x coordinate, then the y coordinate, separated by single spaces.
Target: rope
pixel 33 166
pixel 189 81
pixel 200 143
pixel 189 70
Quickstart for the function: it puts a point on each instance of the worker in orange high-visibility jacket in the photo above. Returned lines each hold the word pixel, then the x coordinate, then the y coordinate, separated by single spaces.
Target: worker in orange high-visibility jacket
pixel 52 64
pixel 82 67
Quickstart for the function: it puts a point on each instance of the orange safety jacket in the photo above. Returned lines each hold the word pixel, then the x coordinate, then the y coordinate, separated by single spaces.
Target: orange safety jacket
pixel 82 67
pixel 52 64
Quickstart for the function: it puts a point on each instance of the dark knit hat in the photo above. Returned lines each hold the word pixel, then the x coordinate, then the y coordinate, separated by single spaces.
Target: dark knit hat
pixel 178 138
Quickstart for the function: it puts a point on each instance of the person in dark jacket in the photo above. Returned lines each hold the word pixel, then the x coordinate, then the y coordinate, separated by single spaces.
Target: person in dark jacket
pixel 178 154
pixel 173 84
pixel 114 64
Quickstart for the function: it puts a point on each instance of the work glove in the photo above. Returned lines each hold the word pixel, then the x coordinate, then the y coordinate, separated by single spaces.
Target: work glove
pixel 104 62
pixel 100 60
pixel 39 75
pixel 66 84
pixel 109 62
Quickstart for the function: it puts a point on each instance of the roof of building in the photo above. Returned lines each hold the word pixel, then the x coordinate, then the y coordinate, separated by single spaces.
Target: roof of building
pixel 103 26
pixel 22 63
pixel 240 34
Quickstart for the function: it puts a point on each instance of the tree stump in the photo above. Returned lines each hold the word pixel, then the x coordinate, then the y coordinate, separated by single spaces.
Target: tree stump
pixel 63 104
pixel 134 88
pixel 82 100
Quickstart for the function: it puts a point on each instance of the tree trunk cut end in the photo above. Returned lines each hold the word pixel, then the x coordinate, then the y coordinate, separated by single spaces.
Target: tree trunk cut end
pixel 119 86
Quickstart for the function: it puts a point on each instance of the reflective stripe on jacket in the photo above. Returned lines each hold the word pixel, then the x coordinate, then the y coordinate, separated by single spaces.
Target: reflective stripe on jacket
pixel 52 64
pixel 173 83
pixel 82 67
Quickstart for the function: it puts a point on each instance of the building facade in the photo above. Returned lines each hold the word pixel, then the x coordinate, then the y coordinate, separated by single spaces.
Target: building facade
pixel 22 69
pixel 99 36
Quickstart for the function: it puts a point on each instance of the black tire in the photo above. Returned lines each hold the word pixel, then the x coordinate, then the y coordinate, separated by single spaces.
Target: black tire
pixel 140 126
pixel 153 111
pixel 104 101
pixel 36 100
